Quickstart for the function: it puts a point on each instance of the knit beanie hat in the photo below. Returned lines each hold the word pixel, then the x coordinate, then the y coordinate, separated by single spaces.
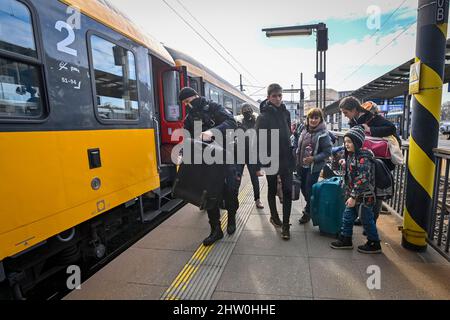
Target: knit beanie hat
pixel 187 92
pixel 357 135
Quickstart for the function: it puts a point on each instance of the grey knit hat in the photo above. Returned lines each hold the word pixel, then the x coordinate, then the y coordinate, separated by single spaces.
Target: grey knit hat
pixel 357 135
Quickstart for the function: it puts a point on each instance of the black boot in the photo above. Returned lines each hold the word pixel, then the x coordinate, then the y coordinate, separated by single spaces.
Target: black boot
pixel 305 218
pixel 216 234
pixel 275 220
pixel 285 234
pixel 231 225
pixel 342 243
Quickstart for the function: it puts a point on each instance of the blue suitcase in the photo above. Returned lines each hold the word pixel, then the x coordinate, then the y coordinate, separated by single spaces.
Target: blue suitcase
pixel 327 205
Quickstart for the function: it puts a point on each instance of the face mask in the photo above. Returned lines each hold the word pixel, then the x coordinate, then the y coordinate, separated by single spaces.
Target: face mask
pixel 247 114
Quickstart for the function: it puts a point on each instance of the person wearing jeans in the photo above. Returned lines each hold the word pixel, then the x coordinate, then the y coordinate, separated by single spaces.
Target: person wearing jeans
pixel 359 185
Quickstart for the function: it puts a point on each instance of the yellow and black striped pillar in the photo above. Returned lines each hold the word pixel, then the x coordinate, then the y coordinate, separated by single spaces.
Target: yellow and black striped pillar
pixel 432 23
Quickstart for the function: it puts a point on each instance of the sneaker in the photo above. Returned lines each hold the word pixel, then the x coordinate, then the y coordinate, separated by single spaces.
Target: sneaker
pixel 304 219
pixel 259 204
pixel 370 247
pixel 285 234
pixel 357 222
pixel 276 222
pixel 342 243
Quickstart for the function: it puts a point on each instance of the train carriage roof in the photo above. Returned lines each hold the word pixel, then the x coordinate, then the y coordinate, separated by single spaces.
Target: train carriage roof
pixel 199 70
pixel 107 14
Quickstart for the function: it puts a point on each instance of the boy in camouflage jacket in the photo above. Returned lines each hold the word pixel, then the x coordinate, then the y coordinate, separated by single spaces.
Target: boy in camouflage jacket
pixel 359 185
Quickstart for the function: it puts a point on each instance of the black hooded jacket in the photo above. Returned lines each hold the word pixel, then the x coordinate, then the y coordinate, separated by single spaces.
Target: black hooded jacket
pixel 379 126
pixel 211 114
pixel 276 118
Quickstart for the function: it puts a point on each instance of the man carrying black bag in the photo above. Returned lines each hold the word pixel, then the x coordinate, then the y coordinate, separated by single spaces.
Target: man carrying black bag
pixel 211 115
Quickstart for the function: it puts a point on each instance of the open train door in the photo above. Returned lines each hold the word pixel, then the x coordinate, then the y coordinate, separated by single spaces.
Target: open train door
pixel 172 113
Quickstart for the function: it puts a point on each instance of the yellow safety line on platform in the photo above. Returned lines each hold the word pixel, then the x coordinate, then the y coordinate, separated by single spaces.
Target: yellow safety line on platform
pixel 199 256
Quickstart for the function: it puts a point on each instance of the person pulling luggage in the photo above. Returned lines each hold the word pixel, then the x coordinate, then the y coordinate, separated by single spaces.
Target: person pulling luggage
pixel 314 147
pixel 359 185
pixel 213 116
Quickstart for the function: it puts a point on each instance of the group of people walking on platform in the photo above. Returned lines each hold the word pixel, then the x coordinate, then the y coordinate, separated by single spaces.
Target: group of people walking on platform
pixel 301 153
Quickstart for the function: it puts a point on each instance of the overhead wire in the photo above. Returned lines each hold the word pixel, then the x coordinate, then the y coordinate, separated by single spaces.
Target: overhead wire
pixel 204 39
pixel 215 39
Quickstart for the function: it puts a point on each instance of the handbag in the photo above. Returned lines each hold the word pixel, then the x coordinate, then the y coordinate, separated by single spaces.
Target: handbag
pixel 396 151
pixel 379 147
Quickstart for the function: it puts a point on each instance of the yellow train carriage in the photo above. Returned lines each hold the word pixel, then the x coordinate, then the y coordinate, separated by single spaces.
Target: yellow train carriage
pixel 79 131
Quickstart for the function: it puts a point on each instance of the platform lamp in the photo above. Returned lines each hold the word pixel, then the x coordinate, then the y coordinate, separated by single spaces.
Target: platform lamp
pixel 321 48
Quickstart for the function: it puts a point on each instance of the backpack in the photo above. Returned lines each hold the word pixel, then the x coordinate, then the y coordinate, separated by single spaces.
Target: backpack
pixel 384 180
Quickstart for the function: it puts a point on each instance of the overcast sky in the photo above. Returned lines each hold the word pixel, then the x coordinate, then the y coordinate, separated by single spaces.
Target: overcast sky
pixel 237 25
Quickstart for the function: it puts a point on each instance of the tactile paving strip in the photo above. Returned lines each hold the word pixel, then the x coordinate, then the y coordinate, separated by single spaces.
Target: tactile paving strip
pixel 199 277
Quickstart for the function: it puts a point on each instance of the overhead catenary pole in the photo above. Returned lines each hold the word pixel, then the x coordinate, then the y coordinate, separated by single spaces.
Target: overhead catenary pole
pixel 302 97
pixel 317 78
pixel 432 23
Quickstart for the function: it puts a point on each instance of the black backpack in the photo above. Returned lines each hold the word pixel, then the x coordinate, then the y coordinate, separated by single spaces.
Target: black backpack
pixel 384 180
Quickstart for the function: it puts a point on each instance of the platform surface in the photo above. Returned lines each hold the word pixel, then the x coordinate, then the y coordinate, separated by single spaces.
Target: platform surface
pixel 255 263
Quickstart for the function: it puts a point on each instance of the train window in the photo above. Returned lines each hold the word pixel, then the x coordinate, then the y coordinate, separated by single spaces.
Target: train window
pixel 228 103
pixel 171 85
pixel 115 81
pixel 194 84
pixel 16 31
pixel 20 90
pixel 214 95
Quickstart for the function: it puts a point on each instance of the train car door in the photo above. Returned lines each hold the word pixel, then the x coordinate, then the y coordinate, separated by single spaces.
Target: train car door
pixel 172 113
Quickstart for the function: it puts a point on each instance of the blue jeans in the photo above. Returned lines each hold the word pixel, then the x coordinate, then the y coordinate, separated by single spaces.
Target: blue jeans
pixel 367 220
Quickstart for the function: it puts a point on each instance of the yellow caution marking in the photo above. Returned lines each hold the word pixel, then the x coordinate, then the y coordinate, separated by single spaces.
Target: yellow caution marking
pixel 422 168
pixel 430 96
pixel 183 279
pixel 412 232
pixel 443 27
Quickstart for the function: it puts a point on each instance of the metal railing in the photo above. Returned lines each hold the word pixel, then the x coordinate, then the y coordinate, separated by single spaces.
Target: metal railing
pixel 438 231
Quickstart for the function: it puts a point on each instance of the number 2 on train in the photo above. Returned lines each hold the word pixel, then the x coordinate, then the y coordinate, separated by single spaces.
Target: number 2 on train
pixel 63 45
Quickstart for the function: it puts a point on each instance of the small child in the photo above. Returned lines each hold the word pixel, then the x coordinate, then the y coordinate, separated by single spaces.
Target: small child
pixel 359 186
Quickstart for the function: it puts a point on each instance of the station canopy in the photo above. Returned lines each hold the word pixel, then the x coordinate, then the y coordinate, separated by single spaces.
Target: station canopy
pixel 390 85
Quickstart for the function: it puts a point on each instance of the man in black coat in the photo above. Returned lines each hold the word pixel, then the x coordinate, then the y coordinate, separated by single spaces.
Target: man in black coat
pixel 274 118
pixel 213 116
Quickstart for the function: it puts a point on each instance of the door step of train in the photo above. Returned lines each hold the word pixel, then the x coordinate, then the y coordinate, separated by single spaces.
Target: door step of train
pixel 171 205
pixel 168 207
pixel 149 216
pixel 165 192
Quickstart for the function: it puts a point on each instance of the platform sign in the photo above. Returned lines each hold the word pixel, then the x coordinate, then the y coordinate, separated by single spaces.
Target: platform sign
pixel 441 11
pixel 414 78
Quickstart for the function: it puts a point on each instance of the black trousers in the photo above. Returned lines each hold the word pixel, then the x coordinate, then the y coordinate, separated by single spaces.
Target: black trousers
pixel 230 195
pixel 286 183
pixel 252 169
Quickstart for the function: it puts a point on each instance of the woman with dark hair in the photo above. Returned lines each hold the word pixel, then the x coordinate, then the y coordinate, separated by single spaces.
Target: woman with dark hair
pixel 314 147
pixel 367 116
pixel 374 125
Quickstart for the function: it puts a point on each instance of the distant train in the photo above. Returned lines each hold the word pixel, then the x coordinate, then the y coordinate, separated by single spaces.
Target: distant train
pixel 88 104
